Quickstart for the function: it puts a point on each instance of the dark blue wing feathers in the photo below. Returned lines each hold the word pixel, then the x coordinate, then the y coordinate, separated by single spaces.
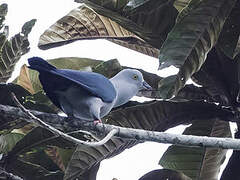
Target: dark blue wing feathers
pixel 38 63
pixel 54 79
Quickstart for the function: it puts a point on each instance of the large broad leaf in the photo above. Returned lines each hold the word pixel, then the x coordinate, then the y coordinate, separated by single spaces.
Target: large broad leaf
pixel 187 45
pixel 130 28
pixel 191 92
pixel 29 170
pixel 195 162
pixel 218 76
pixel 40 137
pixel 110 4
pixel 180 4
pixel 230 34
pixel 3 13
pixel 8 141
pixel 12 50
pixel 164 174
pixel 143 19
pixel 155 16
pixel 34 149
pixel 8 124
pixel 151 116
pixel 84 23
pixel 60 156
pixel 231 170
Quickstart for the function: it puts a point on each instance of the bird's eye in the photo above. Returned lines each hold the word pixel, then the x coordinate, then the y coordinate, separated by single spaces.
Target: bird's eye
pixel 135 77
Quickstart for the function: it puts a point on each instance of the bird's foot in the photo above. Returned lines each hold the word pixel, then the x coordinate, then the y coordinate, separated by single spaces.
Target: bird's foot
pixel 97 121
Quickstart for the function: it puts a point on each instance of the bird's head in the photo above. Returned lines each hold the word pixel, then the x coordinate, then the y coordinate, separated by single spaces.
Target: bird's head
pixel 135 78
pixel 128 83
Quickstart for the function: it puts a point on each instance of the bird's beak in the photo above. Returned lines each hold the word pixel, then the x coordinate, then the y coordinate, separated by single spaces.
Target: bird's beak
pixel 146 86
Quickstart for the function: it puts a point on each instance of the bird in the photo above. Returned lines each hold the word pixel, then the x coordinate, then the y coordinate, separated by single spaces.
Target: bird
pixel 85 95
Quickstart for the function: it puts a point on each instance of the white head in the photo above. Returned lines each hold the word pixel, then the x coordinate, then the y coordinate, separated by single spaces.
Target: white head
pixel 127 83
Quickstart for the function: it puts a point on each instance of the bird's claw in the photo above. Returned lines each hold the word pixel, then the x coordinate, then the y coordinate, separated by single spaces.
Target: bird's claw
pixel 97 121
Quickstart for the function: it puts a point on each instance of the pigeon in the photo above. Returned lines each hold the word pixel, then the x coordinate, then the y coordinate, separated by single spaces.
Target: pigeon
pixel 88 96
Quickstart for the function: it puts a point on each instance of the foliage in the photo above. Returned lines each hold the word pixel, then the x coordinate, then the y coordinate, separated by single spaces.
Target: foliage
pixel 200 37
pixel 12 50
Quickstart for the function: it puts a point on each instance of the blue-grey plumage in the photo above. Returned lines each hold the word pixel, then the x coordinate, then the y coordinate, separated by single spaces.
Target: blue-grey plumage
pixel 87 95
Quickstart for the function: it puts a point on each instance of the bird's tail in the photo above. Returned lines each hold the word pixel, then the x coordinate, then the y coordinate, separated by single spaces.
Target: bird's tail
pixel 40 64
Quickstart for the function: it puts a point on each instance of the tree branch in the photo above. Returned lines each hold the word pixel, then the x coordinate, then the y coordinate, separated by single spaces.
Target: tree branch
pixel 59 133
pixel 137 134
pixel 9 176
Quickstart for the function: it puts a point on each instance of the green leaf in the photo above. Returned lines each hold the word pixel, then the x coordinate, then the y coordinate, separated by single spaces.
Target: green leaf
pixel 147 16
pixel 133 4
pixel 53 153
pixel 95 26
pixel 40 137
pixel 85 158
pixel 136 29
pixel 197 163
pixel 40 102
pixel 3 13
pixel 12 50
pixel 8 141
pixel 191 92
pixel 231 170
pixel 8 124
pixel 144 21
pixel 180 4
pixel 7 89
pixel 165 86
pixel 164 174
pixel 230 34
pixel 219 77
pixel 27 27
pixel 29 170
pixel 192 38
pixel 108 68
pixel 109 4
pixel 65 155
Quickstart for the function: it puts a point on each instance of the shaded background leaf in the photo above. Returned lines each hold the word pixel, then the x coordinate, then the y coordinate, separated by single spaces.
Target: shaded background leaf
pixel 8 141
pixel 164 174
pixel 8 124
pixel 30 171
pixel 231 170
pixel 180 4
pixel 191 39
pixel 229 36
pixel 195 162
pixel 12 50
pixel 218 76
pixel 109 4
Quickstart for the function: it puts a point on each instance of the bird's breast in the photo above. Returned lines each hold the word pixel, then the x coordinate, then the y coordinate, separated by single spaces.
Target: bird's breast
pixel 79 103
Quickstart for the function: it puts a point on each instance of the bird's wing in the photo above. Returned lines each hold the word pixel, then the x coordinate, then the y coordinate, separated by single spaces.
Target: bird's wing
pixel 54 79
pixel 96 84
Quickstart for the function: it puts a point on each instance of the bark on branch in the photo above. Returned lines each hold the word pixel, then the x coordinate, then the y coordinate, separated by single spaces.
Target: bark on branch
pixel 137 134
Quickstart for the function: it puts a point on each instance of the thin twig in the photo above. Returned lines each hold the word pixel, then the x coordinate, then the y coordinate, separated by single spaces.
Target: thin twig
pixel 60 133
pixel 9 176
